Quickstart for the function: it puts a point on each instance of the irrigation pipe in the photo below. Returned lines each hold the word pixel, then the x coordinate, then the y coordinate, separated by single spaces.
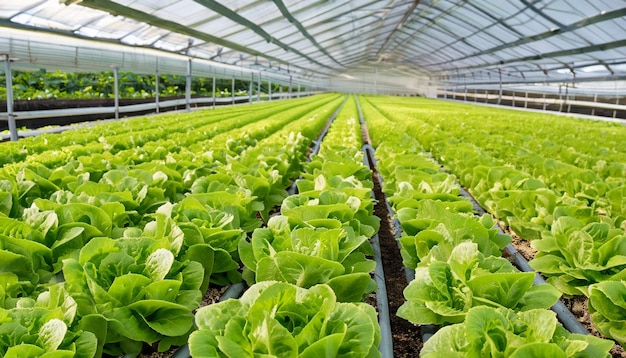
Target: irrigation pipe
pixel 382 301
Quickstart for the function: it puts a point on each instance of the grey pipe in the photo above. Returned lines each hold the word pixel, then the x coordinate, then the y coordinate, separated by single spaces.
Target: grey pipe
pixel 382 301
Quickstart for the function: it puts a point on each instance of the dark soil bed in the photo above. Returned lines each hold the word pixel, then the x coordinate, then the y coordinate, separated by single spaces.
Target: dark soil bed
pixel 407 341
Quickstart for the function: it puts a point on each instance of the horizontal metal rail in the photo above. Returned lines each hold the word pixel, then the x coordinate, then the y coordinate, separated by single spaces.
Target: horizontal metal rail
pixel 139 107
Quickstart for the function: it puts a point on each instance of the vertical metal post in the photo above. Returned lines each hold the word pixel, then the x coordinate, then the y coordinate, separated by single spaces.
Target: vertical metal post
pixel 213 92
pixel 595 99
pixel 188 87
pixel 232 89
pixel 569 103
pixel 500 89
pixel 9 84
pixel 156 86
pixel 258 89
pixel 269 88
pixel 290 86
pixel 376 79
pixel 298 89
pixel 464 88
pixel 513 104
pixel 116 91
pixel 617 103
pixel 526 99
pixel 250 87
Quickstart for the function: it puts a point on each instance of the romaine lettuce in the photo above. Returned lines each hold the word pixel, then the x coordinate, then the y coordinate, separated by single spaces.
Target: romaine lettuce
pixel 443 292
pixel 499 332
pixel 283 320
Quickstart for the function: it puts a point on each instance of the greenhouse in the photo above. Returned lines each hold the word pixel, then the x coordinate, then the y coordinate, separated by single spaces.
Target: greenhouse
pixel 324 178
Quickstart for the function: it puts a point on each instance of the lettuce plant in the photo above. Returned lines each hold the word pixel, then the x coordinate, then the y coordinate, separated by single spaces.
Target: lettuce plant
pixel 432 232
pixel 211 236
pixel 307 256
pixel 133 290
pixel 29 260
pixel 443 292
pixel 607 306
pixel 573 255
pixel 331 209
pixel 499 332
pixel 282 320
pixel 44 327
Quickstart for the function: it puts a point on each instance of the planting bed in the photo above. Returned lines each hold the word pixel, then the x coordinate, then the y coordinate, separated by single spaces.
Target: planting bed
pixel 245 188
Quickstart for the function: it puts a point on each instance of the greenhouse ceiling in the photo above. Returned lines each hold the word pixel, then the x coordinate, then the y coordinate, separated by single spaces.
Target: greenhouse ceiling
pixel 455 41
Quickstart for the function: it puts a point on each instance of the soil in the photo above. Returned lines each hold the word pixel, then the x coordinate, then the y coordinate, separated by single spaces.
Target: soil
pixel 407 339
pixel 521 245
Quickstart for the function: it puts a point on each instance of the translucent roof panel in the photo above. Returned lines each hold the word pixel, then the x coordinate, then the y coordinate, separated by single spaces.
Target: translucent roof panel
pixel 447 40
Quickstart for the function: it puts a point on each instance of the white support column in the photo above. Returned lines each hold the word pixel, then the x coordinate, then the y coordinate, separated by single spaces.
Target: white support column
pixel 232 89
pixel 500 88
pixel 269 90
pixel 526 99
pixel 298 89
pixel 464 88
pixel 513 104
pixel 156 86
pixel 250 87
pixel 116 91
pixel 9 84
pixel 258 89
pixel 595 99
pixel 188 87
pixel 214 92
pixel 376 80
pixel 290 79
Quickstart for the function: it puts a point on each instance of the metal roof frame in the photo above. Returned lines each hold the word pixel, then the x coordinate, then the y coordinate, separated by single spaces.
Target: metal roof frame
pixel 317 41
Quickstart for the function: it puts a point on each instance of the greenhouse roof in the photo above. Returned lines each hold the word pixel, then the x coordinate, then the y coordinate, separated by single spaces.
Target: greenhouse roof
pixel 458 41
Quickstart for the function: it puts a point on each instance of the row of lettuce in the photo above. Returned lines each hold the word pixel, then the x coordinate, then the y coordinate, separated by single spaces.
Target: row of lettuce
pixel 140 139
pixel 462 282
pixel 108 244
pixel 308 270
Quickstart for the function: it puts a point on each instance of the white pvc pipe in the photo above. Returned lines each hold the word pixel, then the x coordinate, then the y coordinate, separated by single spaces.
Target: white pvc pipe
pixel 9 84
pixel 188 87
pixel 116 91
